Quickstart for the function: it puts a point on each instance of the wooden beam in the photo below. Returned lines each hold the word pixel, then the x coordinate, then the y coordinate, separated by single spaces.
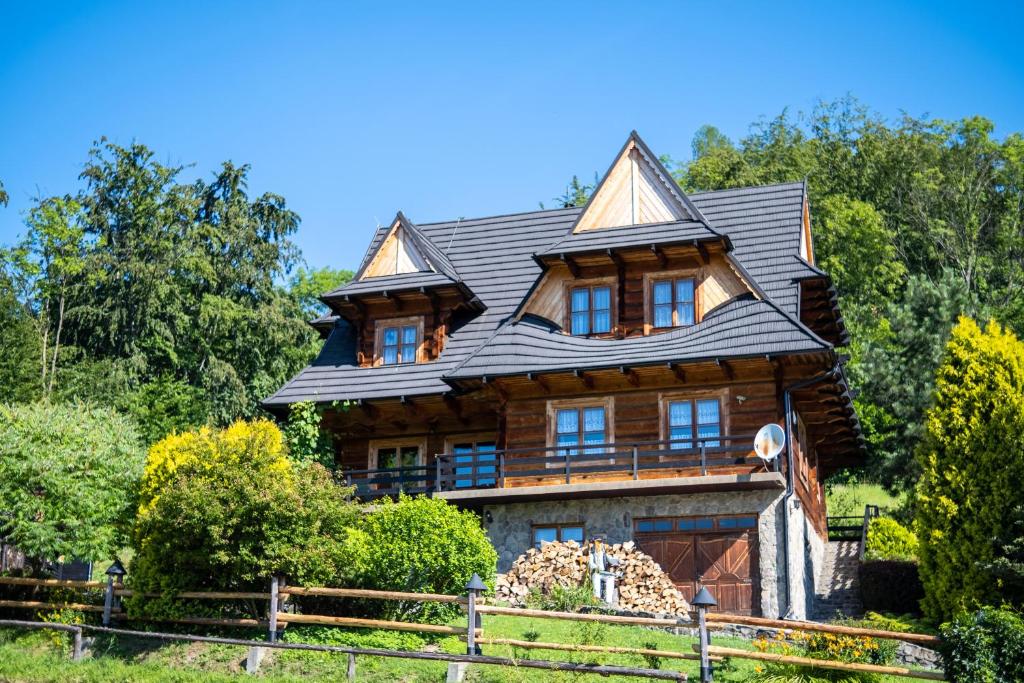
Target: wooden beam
pixel 393 298
pixel 571 264
pixel 726 368
pixel 703 251
pixel 631 375
pixel 453 405
pixel 620 271
pixel 411 406
pixel 541 382
pixel 677 371
pixel 493 384
pixel 587 380
pixel 370 410
pixel 660 255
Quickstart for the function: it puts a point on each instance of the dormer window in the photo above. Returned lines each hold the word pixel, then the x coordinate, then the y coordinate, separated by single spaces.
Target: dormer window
pixel 591 310
pixel 399 341
pixel 673 302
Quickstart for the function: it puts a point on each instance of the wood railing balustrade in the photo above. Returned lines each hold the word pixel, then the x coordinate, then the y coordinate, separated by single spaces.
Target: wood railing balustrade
pixel 564 464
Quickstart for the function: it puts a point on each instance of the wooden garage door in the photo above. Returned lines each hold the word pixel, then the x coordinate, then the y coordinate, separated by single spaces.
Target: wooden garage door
pixel 717 552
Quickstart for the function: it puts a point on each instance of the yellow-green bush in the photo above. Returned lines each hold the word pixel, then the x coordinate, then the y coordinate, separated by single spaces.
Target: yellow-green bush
pixel 225 509
pixel 972 465
pixel 890 540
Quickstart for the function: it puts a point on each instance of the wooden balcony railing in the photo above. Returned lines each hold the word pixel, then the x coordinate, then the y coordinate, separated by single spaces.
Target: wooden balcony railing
pixel 516 467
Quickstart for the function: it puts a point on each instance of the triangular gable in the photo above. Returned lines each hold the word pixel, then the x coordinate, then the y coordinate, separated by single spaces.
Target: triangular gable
pixel 636 190
pixel 398 252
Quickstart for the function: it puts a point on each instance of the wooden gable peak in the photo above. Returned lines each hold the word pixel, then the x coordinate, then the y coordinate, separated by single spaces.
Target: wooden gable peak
pixel 636 190
pixel 399 252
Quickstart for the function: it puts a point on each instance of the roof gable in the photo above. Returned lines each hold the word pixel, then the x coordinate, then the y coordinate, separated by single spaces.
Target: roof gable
pixel 405 249
pixel 636 190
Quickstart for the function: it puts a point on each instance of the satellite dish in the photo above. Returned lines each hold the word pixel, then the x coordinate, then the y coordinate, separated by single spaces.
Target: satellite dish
pixel 769 442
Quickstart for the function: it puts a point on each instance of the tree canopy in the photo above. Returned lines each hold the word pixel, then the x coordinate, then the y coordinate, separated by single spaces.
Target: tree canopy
pixel 68 476
pixel 169 300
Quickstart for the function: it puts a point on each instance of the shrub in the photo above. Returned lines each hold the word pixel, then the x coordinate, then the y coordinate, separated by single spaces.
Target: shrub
pixel 891 586
pixel 972 465
pixel 67 479
pixel 839 648
pixel 890 540
pixel 561 598
pixel 986 646
pixel 420 545
pixel 225 510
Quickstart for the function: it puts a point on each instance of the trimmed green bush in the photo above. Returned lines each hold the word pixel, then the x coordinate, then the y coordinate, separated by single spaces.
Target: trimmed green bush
pixel 68 476
pixel 986 646
pixel 972 465
pixel 419 545
pixel 890 540
pixel 891 586
pixel 226 509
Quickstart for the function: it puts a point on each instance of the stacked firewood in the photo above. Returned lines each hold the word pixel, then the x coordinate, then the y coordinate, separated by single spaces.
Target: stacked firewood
pixel 642 585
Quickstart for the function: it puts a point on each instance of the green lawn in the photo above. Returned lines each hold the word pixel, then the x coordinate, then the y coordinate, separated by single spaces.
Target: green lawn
pixel 845 500
pixel 33 657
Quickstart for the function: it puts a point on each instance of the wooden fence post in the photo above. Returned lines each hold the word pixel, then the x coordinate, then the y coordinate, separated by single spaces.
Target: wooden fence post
pixel 473 621
pixel 274 599
pixel 350 672
pixel 76 645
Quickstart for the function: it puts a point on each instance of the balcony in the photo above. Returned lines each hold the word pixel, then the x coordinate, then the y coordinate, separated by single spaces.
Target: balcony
pixel 633 468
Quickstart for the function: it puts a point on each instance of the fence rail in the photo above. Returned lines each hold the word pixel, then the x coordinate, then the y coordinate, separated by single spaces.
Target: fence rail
pixel 473 630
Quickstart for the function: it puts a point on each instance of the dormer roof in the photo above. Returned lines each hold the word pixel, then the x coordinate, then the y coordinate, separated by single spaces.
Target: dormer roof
pixel 636 204
pixel 401 259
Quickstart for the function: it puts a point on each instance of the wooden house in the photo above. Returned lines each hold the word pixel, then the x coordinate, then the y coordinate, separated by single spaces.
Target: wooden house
pixel 602 371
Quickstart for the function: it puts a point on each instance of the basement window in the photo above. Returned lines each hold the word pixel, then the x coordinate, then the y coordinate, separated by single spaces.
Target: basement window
pixel 557 532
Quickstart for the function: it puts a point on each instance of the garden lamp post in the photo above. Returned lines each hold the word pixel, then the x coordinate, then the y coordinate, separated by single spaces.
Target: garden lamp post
pixel 115 572
pixel 474 588
pixel 702 601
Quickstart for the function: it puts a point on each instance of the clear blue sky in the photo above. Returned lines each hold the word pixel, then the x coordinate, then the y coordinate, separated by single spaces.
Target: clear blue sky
pixel 355 111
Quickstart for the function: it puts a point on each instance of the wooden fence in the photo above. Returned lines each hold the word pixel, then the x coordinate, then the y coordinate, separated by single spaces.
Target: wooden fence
pixel 473 632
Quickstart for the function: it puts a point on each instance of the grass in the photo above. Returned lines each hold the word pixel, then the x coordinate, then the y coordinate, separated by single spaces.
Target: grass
pixel 848 500
pixel 33 657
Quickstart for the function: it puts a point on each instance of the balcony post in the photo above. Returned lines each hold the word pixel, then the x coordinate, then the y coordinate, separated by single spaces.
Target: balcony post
pixel 636 464
pixel 437 473
pixel 568 466
pixel 703 459
pixel 501 469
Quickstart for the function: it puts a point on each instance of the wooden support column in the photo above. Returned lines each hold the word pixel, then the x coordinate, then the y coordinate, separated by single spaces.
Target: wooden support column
pixel 587 380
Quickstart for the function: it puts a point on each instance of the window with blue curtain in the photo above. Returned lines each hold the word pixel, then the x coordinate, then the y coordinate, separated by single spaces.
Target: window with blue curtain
pixel 674 303
pixel 399 344
pixel 481 452
pixel 683 415
pixel 591 310
pixel 389 350
pixel 708 421
pixel 680 424
pixel 408 352
pixel 580 427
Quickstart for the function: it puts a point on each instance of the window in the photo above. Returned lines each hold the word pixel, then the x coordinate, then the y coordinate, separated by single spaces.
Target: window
pixel 398 341
pixel 694 525
pixel 580 426
pixel 401 462
pixel 591 310
pixel 476 454
pixel 557 532
pixel 674 302
pixel 684 415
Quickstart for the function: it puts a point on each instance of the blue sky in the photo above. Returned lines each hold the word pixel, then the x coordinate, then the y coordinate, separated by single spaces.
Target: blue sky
pixel 353 111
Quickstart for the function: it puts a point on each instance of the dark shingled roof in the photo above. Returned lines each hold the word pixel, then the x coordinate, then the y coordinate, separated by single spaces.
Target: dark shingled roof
pixel 743 327
pixel 392 283
pixel 631 235
pixel 494 257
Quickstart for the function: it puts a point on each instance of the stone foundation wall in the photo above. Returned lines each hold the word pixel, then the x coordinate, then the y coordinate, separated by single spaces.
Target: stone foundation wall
pixel 510 532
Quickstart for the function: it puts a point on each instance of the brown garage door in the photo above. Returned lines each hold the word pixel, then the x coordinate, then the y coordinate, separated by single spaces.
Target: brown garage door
pixel 717 552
